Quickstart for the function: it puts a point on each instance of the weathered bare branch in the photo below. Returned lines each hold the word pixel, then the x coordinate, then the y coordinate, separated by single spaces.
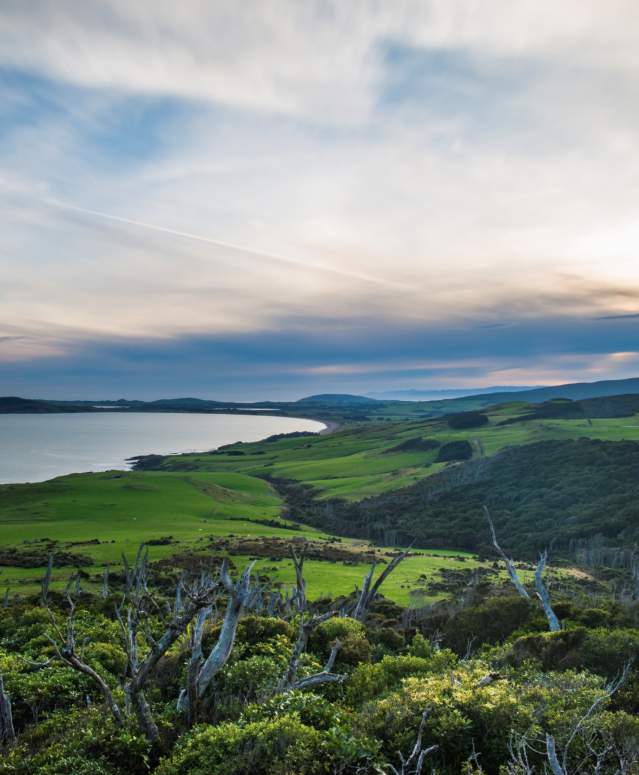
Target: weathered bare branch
pixel 544 597
pixel 415 762
pixel 7 731
pixel 551 754
pixel 325 675
pixel 104 591
pixel 510 565
pixel 370 591
pixel 239 595
pixel 46 580
pixel 65 651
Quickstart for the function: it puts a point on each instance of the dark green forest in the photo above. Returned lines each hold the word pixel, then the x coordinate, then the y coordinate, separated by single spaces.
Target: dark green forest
pixel 547 494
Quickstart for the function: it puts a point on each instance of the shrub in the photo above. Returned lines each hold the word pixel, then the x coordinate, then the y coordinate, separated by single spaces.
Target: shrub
pixel 465 713
pixel 78 742
pixel 370 681
pixel 492 621
pixel 245 681
pixel 352 635
pixel 279 747
pixel 603 651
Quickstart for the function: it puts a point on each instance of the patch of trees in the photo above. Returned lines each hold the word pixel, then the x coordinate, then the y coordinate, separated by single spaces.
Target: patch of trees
pixel 463 420
pixel 589 408
pixel 454 450
pixel 546 494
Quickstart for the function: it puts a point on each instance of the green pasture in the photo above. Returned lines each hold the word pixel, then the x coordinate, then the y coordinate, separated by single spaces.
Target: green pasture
pixel 124 509
pixel 356 461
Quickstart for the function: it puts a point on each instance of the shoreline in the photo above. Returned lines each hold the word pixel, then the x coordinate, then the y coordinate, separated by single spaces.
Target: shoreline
pixel 139 462
pixel 136 462
pixel 331 426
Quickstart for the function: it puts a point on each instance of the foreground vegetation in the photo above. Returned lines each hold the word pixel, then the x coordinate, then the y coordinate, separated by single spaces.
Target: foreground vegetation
pixel 227 677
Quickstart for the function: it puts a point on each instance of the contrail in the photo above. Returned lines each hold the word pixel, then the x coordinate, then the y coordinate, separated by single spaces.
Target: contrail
pixel 230 245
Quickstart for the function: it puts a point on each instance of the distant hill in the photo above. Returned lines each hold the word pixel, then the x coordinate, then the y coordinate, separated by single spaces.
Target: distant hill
pixel 193 403
pixel 341 407
pixel 15 405
pixel 336 399
pixel 414 394
pixel 572 390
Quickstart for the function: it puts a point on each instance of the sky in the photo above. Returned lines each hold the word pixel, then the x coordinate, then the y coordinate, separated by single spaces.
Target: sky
pixel 271 199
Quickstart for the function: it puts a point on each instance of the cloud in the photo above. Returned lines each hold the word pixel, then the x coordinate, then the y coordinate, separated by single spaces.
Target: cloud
pixel 394 182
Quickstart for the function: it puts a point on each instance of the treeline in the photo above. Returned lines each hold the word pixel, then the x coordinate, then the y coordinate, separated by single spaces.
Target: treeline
pixel 541 495
pixel 590 408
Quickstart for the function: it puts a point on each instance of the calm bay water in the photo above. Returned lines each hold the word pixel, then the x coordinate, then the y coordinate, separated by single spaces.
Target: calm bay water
pixel 36 447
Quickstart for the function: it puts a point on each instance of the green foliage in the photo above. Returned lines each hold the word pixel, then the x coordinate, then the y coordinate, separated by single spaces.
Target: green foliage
pixel 465 420
pixel 279 747
pixel 491 621
pixel 244 681
pixel 78 742
pixel 600 650
pixel 463 712
pixel 374 680
pixel 454 450
pixel 352 635
pixel 550 492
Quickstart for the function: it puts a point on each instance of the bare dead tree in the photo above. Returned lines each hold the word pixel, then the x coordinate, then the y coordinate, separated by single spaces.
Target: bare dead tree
pixel 135 627
pixel 540 587
pixel 415 762
pixel 510 565
pixel 544 597
pixel 46 580
pixel 65 649
pixel 143 650
pixel 370 590
pixel 7 732
pixel 201 672
pixel 305 625
pixel 104 589
pixel 188 699
pixel 239 596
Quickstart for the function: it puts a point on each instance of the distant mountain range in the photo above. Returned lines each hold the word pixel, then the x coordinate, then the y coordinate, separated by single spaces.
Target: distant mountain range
pixel 337 406
pixel 573 391
pixel 413 394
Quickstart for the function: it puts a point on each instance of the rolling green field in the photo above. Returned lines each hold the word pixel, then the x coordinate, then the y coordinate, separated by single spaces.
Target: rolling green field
pixel 356 462
pixel 193 500
pixel 124 509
